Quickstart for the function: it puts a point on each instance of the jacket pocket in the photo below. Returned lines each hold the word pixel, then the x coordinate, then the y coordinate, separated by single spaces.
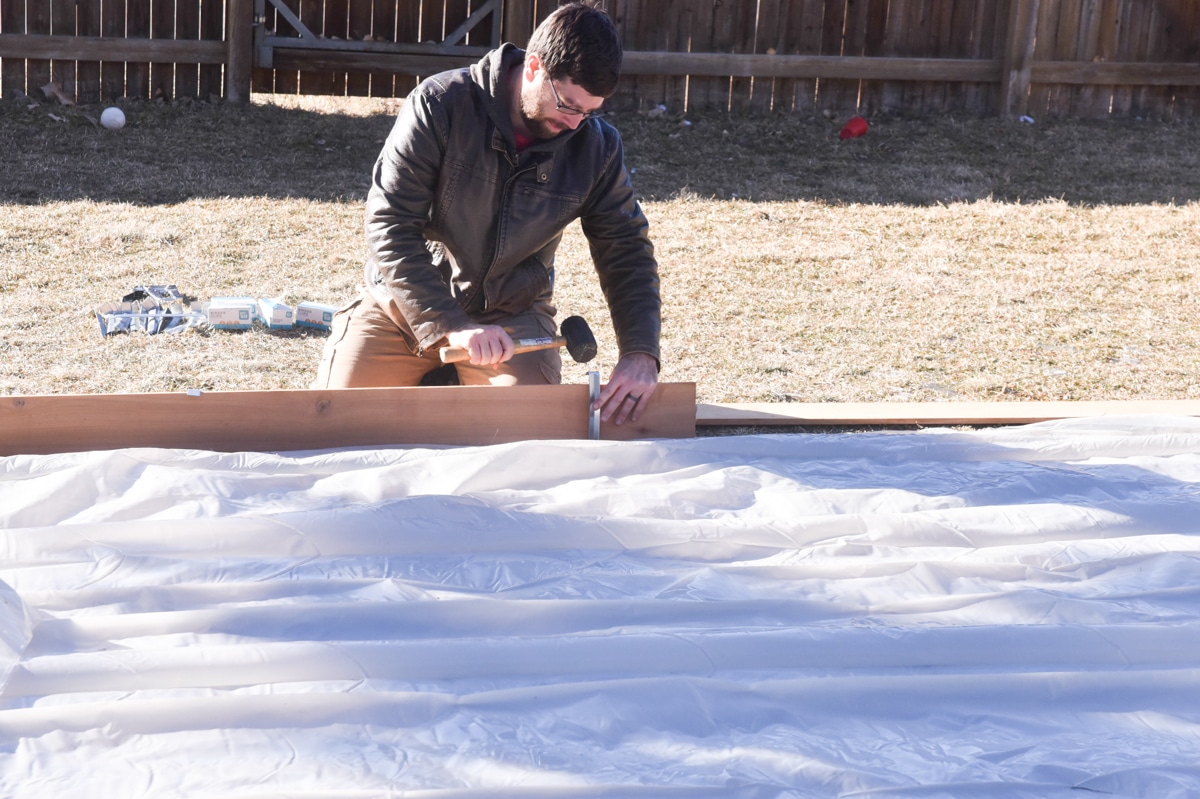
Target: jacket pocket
pixel 529 281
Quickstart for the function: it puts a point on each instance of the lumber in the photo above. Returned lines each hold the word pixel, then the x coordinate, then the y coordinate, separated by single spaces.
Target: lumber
pixel 804 414
pixel 271 421
pixel 98 48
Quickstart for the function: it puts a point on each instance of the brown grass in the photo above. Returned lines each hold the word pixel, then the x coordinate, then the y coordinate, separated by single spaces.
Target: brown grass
pixel 929 260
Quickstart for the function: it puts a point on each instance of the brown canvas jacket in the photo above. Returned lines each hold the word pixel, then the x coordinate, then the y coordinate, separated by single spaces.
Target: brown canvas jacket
pixel 461 229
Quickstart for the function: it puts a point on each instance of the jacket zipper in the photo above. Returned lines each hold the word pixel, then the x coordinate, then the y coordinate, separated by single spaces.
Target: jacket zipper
pixel 505 200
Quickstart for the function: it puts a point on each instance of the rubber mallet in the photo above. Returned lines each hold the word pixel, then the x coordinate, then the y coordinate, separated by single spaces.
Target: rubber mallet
pixel 575 335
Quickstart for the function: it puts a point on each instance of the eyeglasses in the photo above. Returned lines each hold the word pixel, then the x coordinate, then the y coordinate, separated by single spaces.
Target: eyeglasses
pixel 569 110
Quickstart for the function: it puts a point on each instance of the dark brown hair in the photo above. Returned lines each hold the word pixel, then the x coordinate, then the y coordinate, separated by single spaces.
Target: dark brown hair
pixel 579 41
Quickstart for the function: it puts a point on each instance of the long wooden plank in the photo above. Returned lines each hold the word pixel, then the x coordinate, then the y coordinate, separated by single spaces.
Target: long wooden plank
pixel 112 48
pixel 926 413
pixel 810 66
pixel 1126 74
pixel 262 421
pixel 795 66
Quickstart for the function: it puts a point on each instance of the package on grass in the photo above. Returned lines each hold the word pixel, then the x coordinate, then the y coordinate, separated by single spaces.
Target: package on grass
pixel 151 309
pixel 232 313
pixel 275 314
pixel 315 314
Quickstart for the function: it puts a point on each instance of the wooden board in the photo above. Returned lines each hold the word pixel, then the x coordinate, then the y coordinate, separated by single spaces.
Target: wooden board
pixel 929 413
pixel 263 421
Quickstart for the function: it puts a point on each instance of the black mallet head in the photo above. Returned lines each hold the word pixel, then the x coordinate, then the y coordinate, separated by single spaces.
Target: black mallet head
pixel 581 344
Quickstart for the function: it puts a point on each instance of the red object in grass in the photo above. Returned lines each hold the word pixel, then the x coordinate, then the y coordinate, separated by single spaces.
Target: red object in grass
pixel 854 127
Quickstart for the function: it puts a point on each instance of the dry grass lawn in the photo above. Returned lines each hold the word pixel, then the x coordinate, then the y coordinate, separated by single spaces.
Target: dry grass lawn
pixel 929 260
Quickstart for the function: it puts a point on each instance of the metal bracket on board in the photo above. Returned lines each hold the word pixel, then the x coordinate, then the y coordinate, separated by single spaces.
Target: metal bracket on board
pixel 593 415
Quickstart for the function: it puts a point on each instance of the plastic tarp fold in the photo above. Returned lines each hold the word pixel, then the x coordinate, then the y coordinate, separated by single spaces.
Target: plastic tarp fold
pixel 944 613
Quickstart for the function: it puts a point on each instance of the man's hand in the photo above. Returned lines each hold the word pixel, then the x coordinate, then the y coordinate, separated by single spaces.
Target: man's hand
pixel 487 344
pixel 629 388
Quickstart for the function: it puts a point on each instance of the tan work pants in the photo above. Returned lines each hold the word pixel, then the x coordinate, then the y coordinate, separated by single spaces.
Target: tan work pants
pixel 366 349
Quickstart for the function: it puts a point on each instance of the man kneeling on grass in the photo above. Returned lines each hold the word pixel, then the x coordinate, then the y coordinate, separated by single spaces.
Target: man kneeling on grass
pixel 483 170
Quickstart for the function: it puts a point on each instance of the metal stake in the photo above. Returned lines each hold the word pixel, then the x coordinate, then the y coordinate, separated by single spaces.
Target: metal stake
pixel 594 416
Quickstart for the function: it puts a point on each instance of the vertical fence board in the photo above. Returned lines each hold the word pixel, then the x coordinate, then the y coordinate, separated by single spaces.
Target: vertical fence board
pixel 62 23
pixel 481 35
pixel 1065 30
pixel 358 28
pixel 336 26
pixel 871 91
pixel 406 27
pixel 680 26
pixel 1182 25
pixel 963 96
pixel 855 44
pixel 723 37
pixel 212 28
pixel 833 93
pixel 12 70
pixel 1087 100
pixel 651 34
pixel 432 21
pixel 941 97
pixel 895 31
pixel 1126 30
pixel 433 16
pixel 37 20
pixel 137 26
pixel 1147 98
pixel 746 30
pixel 457 12
pixel 626 15
pixel 187 28
pixel 766 30
pixel 112 73
pixel 986 37
pixel 916 40
pixel 312 15
pixel 87 73
pixel 518 20
pixel 760 94
pixel 1041 94
pixel 1109 40
pixel 804 22
pixel 286 81
pixel 162 26
pixel 706 92
pixel 382 27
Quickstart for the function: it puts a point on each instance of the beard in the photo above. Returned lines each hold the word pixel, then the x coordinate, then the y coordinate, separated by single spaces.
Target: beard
pixel 539 125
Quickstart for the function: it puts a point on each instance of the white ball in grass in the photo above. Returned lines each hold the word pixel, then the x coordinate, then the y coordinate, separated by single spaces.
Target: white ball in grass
pixel 112 118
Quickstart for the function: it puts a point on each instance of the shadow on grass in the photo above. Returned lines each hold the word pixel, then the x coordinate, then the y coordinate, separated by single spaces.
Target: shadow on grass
pixel 170 154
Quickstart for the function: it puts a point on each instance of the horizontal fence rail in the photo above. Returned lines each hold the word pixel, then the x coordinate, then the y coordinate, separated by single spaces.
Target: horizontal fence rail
pixel 1057 58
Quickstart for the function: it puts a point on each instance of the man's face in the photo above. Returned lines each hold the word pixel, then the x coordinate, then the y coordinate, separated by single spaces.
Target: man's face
pixel 548 107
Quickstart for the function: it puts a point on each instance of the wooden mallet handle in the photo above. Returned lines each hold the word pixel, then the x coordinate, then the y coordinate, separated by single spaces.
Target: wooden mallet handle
pixel 576 337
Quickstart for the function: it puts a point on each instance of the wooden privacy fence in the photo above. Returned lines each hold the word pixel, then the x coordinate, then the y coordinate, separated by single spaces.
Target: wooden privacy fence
pixel 1081 58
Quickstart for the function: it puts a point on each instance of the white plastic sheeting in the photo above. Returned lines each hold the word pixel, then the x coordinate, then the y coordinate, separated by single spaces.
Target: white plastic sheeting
pixel 995 613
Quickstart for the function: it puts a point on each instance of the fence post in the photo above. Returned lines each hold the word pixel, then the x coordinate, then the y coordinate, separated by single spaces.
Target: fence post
pixel 239 49
pixel 518 22
pixel 1018 57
